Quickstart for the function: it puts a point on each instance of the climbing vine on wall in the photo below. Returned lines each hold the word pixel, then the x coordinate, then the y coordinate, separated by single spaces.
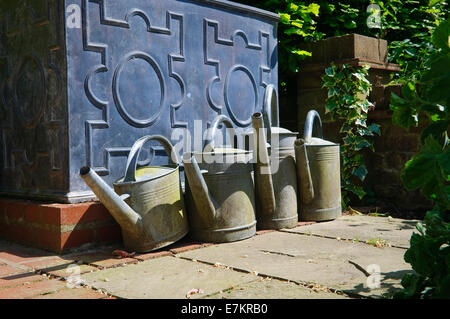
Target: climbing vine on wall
pixel 348 89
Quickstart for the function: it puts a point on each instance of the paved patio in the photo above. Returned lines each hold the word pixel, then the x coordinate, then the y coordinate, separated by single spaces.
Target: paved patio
pixel 355 256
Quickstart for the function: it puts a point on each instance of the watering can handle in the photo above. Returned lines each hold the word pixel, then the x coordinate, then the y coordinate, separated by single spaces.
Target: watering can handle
pixel 270 109
pixel 130 170
pixel 309 124
pixel 209 141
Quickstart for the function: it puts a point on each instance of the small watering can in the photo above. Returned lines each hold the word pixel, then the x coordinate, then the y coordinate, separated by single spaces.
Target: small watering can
pixel 220 191
pixel 318 170
pixel 147 202
pixel 275 175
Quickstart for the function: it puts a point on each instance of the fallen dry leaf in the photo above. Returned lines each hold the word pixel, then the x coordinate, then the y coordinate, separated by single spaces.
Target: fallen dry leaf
pixel 122 254
pixel 193 292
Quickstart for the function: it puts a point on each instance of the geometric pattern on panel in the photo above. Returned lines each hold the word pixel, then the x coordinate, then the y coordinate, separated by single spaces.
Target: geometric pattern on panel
pixel 31 126
pixel 235 77
pixel 174 23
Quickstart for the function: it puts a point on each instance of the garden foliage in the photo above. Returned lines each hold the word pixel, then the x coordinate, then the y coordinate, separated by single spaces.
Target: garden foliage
pixel 348 89
pixel 428 99
pixel 405 24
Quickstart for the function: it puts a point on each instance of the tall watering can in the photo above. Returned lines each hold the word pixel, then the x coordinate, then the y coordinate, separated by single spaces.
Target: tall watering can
pixel 275 175
pixel 318 171
pixel 147 202
pixel 220 191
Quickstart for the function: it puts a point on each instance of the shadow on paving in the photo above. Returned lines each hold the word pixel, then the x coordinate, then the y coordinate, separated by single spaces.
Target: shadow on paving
pixel 388 285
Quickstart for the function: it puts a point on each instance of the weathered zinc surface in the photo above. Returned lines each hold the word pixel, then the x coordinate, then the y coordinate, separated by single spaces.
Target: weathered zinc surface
pixel 81 80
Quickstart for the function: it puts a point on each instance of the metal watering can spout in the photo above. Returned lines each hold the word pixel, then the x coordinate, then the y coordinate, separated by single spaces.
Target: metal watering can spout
pixel 115 204
pixel 147 202
pixel 130 220
pixel 306 184
pixel 203 197
pixel 263 173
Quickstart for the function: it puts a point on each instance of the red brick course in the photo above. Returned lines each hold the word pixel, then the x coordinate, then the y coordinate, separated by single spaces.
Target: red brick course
pixel 17 278
pixel 31 289
pixel 57 227
pixel 75 293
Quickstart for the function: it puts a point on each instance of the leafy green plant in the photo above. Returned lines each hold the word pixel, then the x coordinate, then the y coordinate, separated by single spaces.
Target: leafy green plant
pixel 342 17
pixel 408 26
pixel 405 24
pixel 427 99
pixel 348 89
pixel 297 25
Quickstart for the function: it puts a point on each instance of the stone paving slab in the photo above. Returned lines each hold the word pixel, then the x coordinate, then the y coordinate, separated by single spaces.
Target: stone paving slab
pixel 102 259
pixel 64 271
pixel 166 278
pixel 302 258
pixel 274 289
pixel 396 232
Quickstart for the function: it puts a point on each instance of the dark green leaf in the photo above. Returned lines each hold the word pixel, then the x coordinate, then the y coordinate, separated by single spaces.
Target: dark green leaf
pixel 360 172
pixel 375 128
pixel 441 36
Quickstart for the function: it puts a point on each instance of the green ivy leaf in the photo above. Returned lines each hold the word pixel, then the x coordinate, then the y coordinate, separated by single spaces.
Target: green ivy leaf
pixel 330 106
pixel 361 122
pixel 329 71
pixel 362 143
pixel 375 128
pixel 360 172
pixel 357 190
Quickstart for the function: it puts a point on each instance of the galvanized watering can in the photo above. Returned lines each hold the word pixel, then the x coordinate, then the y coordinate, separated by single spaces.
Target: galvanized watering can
pixel 147 202
pixel 275 175
pixel 220 191
pixel 318 170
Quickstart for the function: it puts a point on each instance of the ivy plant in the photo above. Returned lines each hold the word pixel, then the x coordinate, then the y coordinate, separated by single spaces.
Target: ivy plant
pixel 428 99
pixel 348 89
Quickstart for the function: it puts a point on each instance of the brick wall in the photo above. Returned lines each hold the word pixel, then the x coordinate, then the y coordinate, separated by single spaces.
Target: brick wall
pixel 394 147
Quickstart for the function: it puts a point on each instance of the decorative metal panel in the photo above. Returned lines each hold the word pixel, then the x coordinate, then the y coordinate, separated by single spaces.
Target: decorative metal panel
pixel 81 80
pixel 33 111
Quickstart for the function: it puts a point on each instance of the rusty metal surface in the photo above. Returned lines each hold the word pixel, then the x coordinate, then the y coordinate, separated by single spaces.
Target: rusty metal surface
pixel 76 96
pixel 150 206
